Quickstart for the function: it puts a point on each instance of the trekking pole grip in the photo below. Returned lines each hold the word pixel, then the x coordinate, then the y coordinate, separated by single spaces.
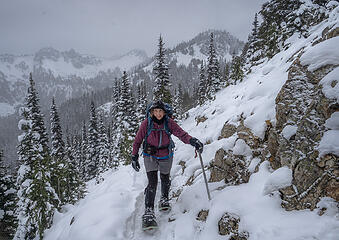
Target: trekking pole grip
pixel 203 171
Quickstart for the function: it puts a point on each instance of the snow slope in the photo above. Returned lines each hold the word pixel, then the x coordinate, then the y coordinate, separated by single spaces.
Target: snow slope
pixel 113 208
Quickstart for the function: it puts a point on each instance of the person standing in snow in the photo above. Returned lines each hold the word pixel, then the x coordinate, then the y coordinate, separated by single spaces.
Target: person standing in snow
pixel 154 133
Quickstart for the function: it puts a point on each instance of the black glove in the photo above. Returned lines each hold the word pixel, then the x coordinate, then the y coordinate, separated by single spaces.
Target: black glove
pixel 135 163
pixel 197 144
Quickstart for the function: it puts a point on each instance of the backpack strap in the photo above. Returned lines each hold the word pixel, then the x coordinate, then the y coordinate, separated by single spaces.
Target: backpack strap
pixel 169 133
pixel 166 128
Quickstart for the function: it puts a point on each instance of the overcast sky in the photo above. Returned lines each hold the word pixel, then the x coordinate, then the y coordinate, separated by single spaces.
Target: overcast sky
pixel 112 27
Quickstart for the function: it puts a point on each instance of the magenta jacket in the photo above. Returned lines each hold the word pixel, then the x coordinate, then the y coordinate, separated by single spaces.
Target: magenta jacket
pixel 154 138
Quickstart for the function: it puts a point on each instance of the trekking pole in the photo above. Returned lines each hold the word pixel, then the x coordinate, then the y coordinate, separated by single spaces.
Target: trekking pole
pixel 203 172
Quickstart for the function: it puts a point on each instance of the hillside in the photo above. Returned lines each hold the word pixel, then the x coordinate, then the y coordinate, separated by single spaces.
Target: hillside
pixel 270 154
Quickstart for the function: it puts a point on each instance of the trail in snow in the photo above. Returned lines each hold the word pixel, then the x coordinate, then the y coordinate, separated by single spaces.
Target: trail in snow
pixel 133 223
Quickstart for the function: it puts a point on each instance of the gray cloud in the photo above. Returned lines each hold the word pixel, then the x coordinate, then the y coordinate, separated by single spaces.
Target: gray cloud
pixel 110 27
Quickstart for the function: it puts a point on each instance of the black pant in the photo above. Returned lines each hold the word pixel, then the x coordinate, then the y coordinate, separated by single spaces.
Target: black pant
pixel 151 188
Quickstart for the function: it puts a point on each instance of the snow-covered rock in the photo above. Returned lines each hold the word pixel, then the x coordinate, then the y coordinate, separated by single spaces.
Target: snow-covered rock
pixel 280 178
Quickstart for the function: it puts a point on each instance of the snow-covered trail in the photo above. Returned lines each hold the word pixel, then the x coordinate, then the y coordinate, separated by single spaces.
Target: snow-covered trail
pixel 133 229
pixel 102 214
pixel 112 209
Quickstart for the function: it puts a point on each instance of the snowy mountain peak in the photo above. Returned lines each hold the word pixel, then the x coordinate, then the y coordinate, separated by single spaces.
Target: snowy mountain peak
pixel 137 53
pixel 225 44
pixel 47 53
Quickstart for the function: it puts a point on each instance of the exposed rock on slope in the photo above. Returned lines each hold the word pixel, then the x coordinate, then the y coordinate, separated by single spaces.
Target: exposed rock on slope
pixel 302 110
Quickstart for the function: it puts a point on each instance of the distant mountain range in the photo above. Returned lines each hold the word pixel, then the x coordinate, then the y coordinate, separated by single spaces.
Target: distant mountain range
pixel 69 74
pixel 61 74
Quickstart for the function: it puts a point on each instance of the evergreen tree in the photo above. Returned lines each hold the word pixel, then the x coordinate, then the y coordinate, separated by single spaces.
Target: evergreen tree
pixel 116 91
pixel 84 152
pixel 226 74
pixel 213 78
pixel 141 103
pixel 255 27
pixel 75 188
pixel 3 187
pixel 104 149
pixel 8 199
pixel 237 73
pixel 128 122
pixel 92 163
pixel 202 86
pixel 161 90
pixel 59 166
pixel 66 177
pixel 37 199
pixel 116 120
pixel 178 103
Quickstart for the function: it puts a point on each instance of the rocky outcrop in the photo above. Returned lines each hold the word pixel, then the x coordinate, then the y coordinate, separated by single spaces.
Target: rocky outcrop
pixel 229 225
pixel 301 112
pixel 228 130
pixel 202 215
pixel 229 167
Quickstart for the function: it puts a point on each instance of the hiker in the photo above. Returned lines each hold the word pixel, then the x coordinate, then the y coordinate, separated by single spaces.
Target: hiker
pixel 158 147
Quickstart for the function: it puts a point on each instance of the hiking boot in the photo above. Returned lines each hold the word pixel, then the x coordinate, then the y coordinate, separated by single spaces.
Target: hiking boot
pixel 148 219
pixel 164 204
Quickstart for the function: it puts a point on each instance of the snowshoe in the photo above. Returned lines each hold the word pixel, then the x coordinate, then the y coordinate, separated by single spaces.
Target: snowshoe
pixel 164 205
pixel 148 220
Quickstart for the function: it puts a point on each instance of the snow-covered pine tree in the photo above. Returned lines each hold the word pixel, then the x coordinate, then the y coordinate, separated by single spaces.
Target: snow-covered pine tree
pixel 58 155
pixel 3 187
pixel 143 99
pixel 213 77
pixel 161 90
pixel 8 199
pixel 253 42
pixel 92 163
pixel 104 149
pixel 141 103
pixel 128 119
pixel 178 103
pixel 237 73
pixel 84 152
pixel 226 74
pixel 201 95
pixel 116 114
pixel 37 199
pixel 66 178
pixel 115 95
pixel 76 187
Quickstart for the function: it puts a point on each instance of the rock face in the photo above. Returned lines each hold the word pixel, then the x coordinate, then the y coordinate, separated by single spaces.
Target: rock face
pixel 302 106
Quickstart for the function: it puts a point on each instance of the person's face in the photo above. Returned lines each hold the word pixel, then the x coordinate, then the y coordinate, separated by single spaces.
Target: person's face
pixel 158 113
